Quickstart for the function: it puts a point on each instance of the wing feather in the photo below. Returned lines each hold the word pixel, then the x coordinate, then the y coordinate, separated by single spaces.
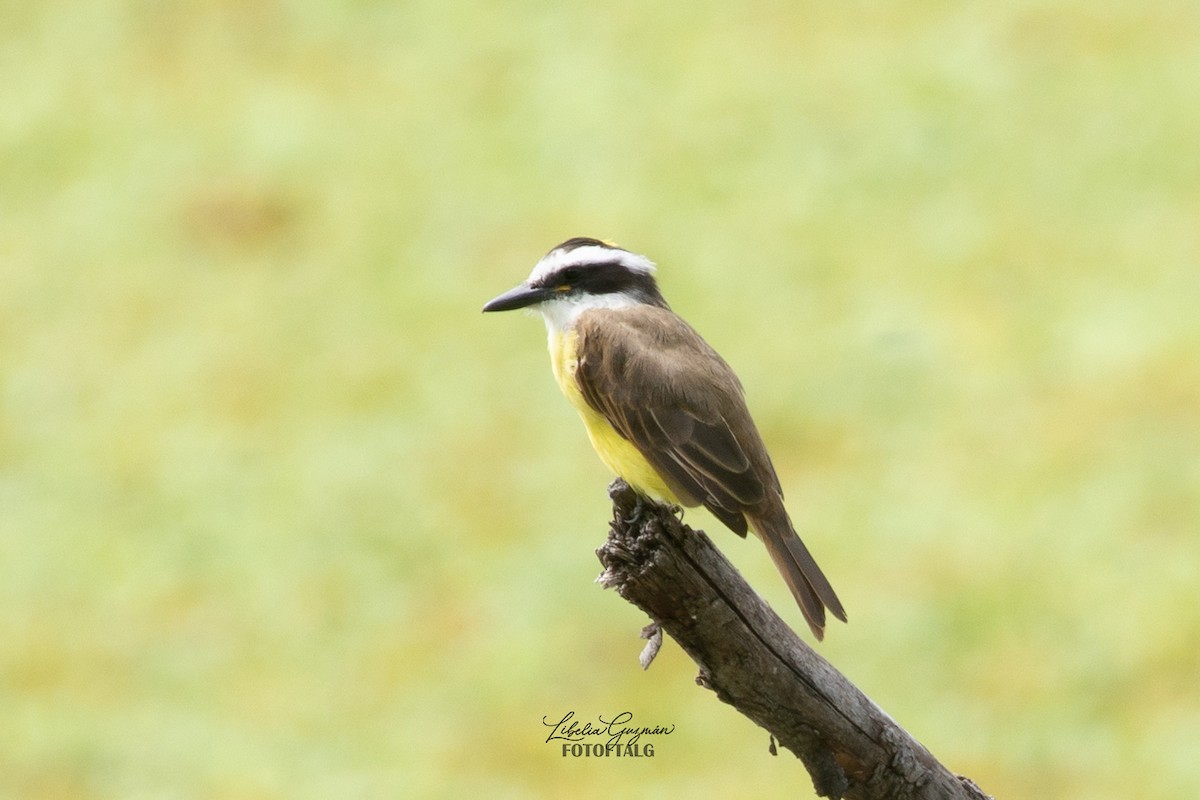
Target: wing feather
pixel 666 391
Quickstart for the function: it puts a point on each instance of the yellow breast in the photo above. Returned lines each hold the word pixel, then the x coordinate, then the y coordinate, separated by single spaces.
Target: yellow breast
pixel 617 452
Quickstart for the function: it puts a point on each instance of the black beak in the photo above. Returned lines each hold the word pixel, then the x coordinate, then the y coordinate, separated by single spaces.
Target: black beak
pixel 519 297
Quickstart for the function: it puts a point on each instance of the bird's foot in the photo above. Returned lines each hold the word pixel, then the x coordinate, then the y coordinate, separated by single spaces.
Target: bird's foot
pixel 641 507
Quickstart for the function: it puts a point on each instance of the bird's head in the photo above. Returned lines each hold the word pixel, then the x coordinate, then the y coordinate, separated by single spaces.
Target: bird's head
pixel 581 274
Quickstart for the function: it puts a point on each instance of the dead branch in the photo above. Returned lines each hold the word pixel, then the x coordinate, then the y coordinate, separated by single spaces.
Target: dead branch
pixel 753 661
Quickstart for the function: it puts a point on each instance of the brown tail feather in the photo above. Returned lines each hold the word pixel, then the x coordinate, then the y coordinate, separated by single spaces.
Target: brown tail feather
pixel 809 585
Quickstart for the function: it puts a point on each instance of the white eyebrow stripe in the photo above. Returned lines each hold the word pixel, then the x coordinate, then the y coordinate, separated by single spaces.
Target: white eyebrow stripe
pixel 556 260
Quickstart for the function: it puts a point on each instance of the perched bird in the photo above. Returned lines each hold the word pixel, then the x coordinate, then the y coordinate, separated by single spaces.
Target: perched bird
pixel 661 408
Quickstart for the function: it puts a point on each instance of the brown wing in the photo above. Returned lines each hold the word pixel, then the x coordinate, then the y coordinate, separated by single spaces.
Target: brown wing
pixel 666 391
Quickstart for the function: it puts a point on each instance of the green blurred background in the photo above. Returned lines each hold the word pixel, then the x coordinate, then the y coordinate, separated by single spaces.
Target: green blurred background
pixel 282 515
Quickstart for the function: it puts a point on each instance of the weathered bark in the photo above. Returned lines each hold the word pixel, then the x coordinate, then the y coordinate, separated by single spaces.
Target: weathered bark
pixel 756 663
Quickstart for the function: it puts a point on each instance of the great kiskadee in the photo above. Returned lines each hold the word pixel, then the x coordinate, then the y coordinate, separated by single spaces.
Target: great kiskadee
pixel 661 408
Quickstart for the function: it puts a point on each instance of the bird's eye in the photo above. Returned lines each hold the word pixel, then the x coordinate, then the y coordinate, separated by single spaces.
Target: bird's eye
pixel 569 275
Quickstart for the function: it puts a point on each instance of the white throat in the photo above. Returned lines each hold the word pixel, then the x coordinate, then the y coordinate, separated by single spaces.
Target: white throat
pixel 562 313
